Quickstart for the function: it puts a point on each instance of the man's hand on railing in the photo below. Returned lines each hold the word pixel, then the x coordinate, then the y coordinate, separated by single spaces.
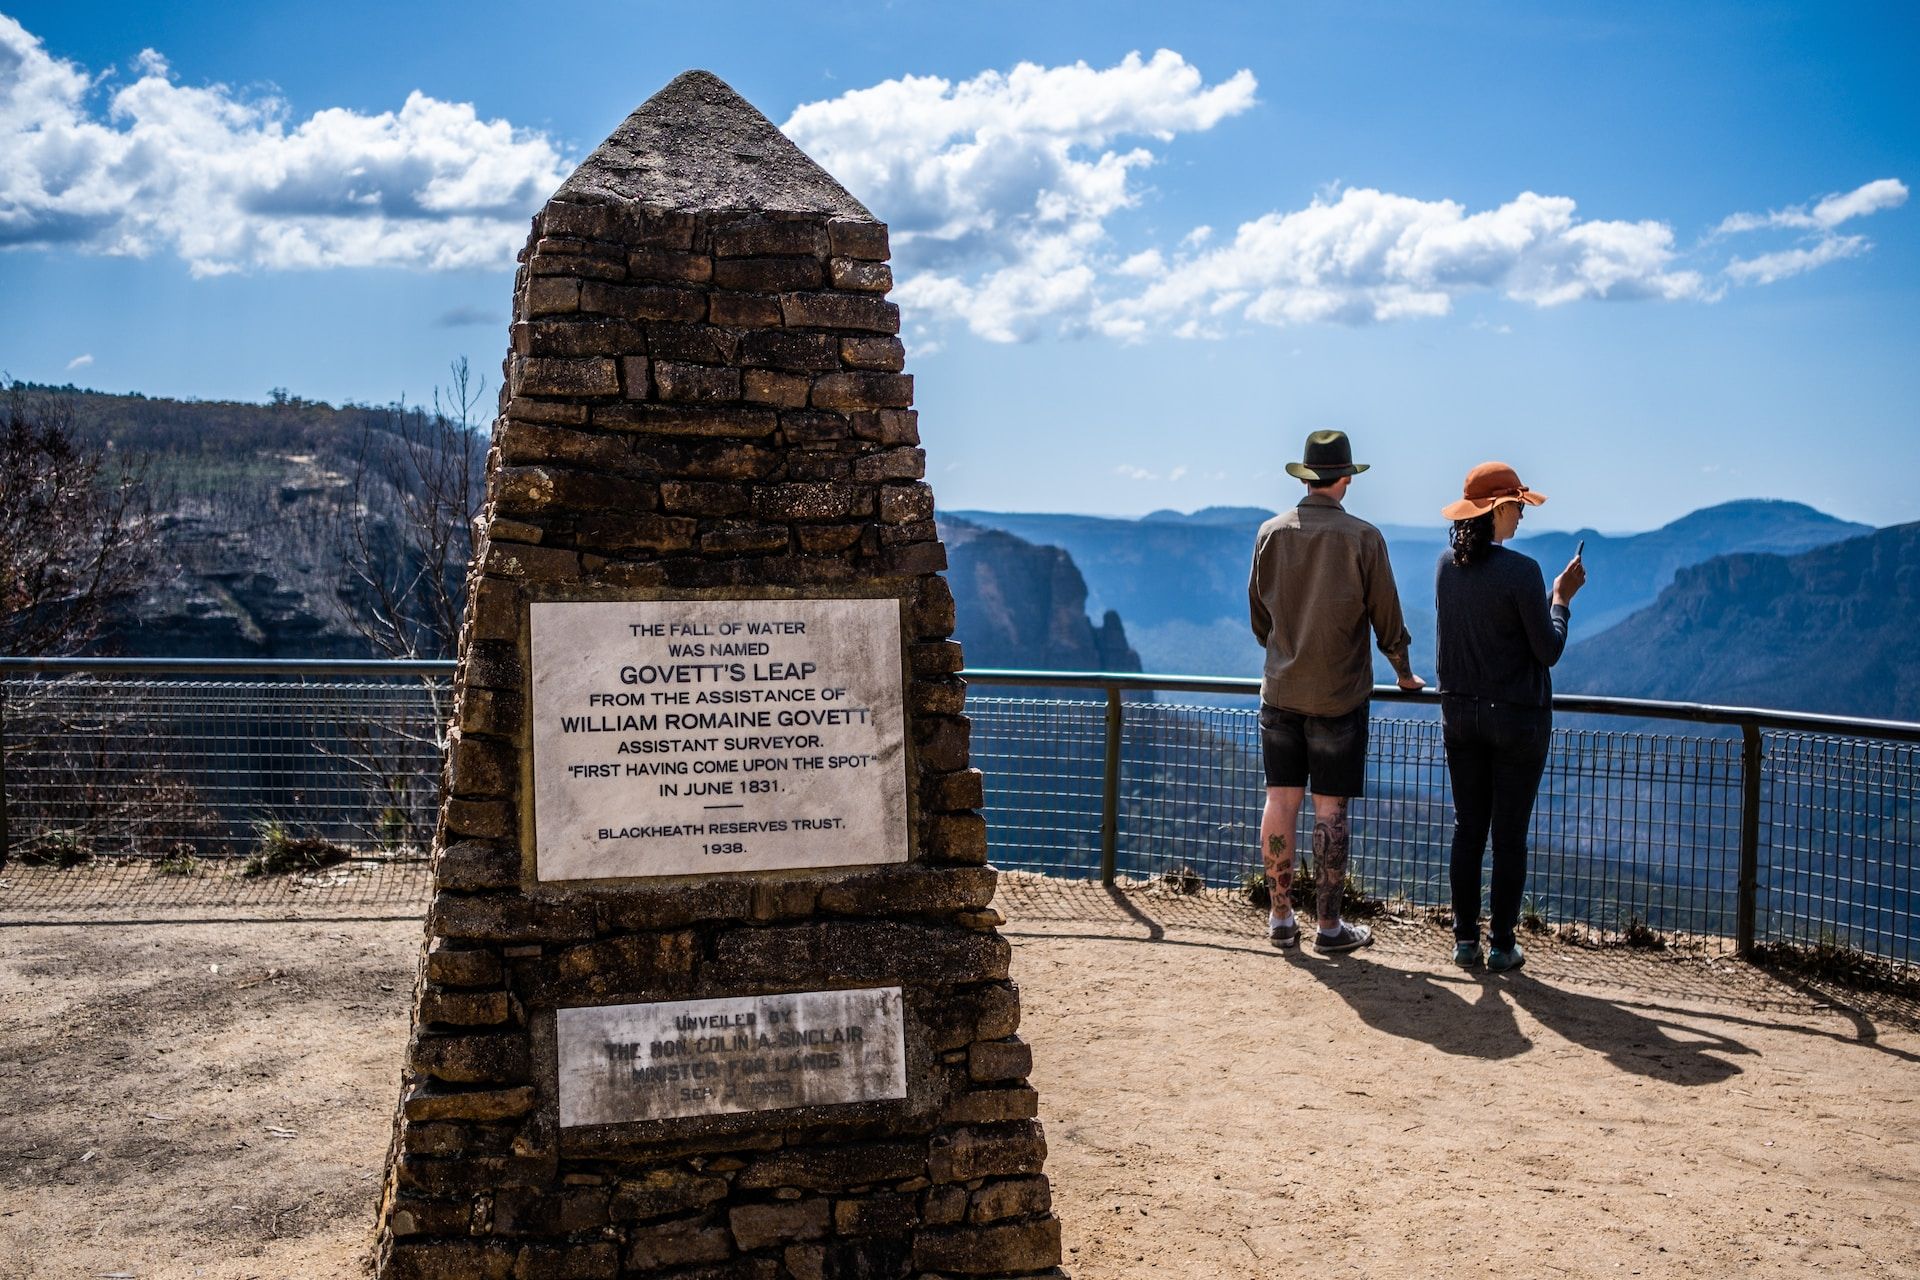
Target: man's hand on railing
pixel 1410 682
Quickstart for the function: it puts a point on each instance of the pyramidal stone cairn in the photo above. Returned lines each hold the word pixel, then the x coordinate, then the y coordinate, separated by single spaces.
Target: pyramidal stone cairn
pixel 711 986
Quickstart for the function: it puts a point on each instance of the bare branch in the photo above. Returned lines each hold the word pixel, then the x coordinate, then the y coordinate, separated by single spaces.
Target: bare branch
pixel 77 532
pixel 403 525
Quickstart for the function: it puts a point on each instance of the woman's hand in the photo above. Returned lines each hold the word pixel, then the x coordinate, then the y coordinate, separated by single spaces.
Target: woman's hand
pixel 1571 579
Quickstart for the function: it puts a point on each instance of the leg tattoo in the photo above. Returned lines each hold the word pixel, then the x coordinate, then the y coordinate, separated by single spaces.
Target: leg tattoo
pixel 1330 846
pixel 1279 875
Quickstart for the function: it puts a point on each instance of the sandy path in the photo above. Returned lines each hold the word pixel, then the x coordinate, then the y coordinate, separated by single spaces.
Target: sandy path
pixel 1219 1109
pixel 198 1100
pixel 1215 1108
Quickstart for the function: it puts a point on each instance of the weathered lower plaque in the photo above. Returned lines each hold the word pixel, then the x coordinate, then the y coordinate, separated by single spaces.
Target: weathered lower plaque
pixel 714 1057
pixel 679 737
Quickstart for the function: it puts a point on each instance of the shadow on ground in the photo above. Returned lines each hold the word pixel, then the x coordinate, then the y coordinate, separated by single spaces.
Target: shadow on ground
pixel 1637 1032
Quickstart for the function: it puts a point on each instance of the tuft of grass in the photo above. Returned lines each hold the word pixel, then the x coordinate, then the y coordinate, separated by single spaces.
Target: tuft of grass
pixel 391 827
pixel 1636 934
pixel 1641 936
pixel 181 860
pixel 279 852
pixel 1533 914
pixel 61 850
pixel 1182 879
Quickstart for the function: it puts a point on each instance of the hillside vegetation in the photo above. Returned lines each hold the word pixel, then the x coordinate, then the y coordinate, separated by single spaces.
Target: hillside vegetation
pixel 266 516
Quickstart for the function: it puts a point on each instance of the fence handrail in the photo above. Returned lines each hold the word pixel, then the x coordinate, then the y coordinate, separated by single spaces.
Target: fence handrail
pixel 1104 681
pixel 233 666
pixel 1573 703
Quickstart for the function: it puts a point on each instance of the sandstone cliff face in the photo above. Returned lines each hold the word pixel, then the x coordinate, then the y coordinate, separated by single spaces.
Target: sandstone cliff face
pixel 1023 605
pixel 226 591
pixel 1830 630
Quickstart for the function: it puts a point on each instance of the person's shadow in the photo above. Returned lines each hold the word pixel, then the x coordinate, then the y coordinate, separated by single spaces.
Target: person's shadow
pixel 1472 1014
pixel 1453 1014
pixel 1666 1049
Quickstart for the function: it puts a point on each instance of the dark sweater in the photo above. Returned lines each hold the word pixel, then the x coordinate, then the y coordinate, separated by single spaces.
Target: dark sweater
pixel 1497 632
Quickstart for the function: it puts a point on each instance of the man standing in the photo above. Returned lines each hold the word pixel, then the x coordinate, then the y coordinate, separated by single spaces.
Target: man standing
pixel 1320 582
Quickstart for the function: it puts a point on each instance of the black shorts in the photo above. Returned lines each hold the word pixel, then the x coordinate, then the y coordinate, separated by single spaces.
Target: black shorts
pixel 1328 752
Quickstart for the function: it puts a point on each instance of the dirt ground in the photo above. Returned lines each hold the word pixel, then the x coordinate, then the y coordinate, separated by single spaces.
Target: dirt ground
pixel 210 1096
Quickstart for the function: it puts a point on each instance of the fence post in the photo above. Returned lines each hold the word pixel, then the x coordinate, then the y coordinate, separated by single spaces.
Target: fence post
pixel 1743 928
pixel 5 847
pixel 1110 791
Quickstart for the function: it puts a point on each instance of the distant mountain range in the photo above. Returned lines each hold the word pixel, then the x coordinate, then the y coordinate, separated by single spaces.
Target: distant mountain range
pixel 249 500
pixel 1180 581
pixel 1766 603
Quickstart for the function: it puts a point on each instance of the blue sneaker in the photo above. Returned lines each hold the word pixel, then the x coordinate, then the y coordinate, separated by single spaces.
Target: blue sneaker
pixel 1468 955
pixel 1502 959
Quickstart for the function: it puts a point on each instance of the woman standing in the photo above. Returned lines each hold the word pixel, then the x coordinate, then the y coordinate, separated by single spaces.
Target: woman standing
pixel 1498 635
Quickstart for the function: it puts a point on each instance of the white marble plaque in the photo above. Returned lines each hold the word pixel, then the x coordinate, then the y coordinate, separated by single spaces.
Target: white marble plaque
pixel 682 737
pixel 716 1057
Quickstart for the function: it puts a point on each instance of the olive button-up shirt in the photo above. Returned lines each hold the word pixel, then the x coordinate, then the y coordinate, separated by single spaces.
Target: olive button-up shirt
pixel 1320 582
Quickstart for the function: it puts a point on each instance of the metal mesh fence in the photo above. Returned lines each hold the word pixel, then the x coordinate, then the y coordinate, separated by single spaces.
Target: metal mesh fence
pixel 1635 832
pixel 1838 827
pixel 186 776
pixel 176 790
pixel 1043 760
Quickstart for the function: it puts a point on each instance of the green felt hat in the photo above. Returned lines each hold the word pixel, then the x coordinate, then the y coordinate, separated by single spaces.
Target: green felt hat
pixel 1328 456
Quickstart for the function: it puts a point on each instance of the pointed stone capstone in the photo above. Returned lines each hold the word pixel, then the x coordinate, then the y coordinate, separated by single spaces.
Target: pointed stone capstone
pixel 712 984
pixel 698 147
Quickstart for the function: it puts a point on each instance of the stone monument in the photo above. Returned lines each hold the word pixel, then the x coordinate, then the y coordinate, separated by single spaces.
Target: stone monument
pixel 711 985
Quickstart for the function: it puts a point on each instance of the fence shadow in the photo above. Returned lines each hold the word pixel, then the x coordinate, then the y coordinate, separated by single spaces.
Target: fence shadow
pixel 30 894
pixel 1153 911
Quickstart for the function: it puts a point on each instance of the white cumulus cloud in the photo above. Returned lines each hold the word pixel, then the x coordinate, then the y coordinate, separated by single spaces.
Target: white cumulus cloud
pixel 1002 192
pixel 1369 256
pixel 229 182
pixel 1769 267
pixel 998 188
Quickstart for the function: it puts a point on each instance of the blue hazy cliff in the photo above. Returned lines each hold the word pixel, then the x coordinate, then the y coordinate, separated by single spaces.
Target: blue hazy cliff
pixel 1829 630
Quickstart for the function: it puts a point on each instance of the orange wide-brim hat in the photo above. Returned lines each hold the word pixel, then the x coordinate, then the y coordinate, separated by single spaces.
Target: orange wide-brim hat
pixel 1488 485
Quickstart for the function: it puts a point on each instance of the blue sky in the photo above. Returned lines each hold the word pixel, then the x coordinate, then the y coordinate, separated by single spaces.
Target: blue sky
pixel 1656 256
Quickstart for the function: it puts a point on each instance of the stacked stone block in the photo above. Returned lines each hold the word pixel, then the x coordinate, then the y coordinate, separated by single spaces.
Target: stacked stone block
pixel 709 400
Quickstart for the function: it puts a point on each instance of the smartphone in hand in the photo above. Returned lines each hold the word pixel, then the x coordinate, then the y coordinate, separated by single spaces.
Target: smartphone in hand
pixel 1580 550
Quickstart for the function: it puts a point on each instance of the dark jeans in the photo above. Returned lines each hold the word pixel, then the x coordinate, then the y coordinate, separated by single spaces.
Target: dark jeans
pixel 1496 752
